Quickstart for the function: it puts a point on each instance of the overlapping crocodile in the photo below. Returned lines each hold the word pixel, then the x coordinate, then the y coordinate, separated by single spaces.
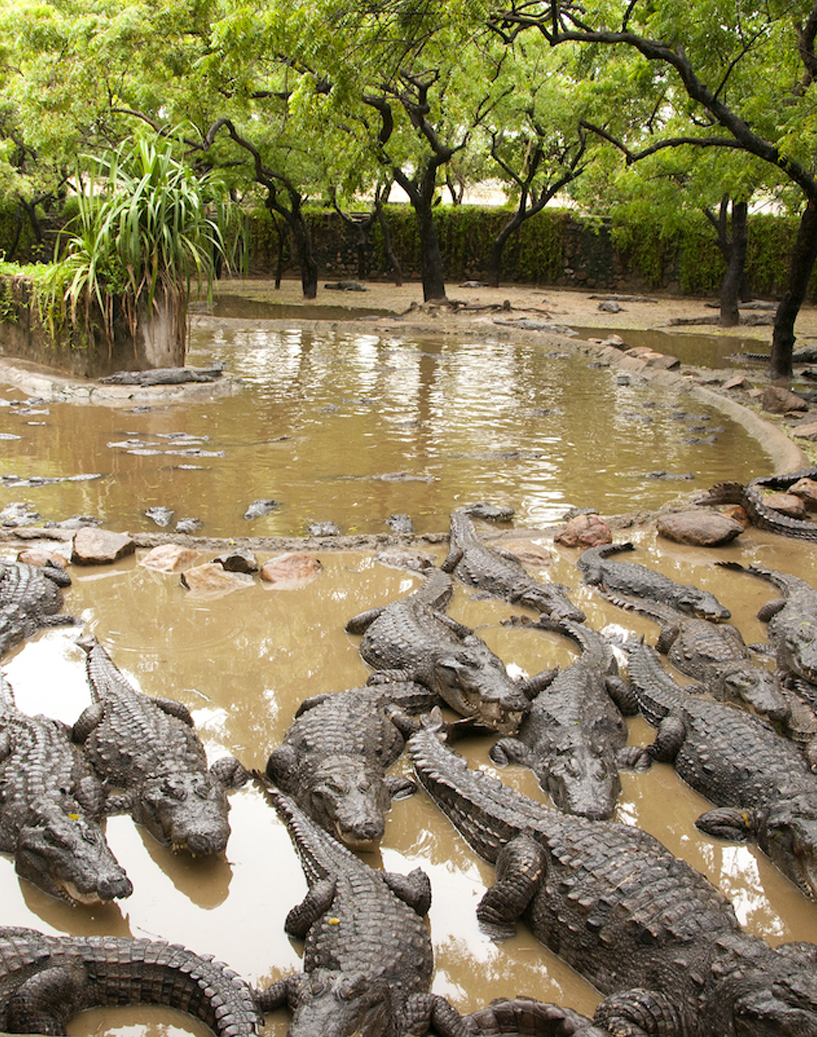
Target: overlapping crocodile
pixel 716 655
pixel 750 497
pixel 368 960
pixel 147 748
pixel 575 729
pixel 613 576
pixel 646 929
pixel 760 782
pixel 524 1017
pixel 30 598
pixel 413 640
pixel 334 757
pixel 46 980
pixel 51 809
pixel 500 573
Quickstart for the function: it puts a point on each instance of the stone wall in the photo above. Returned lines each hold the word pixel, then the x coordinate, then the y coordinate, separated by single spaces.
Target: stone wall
pixel 85 350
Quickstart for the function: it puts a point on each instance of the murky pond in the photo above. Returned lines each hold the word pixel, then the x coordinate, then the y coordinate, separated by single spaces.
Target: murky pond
pixel 351 428
pixel 349 408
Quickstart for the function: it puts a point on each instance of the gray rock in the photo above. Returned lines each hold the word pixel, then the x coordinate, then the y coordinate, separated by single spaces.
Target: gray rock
pixel 699 526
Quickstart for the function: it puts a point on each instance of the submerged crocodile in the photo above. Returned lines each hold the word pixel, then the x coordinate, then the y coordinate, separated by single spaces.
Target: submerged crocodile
pixel 645 928
pixel 575 729
pixel 334 757
pixel 51 807
pixel 46 980
pixel 716 655
pixel 750 497
pixel 147 747
pixel 368 959
pixel 413 640
pixel 30 598
pixel 791 619
pixel 760 781
pixel 500 573
pixel 637 581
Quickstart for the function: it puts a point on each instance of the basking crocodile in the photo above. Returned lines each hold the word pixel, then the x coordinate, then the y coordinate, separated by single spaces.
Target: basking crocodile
pixel 368 959
pixel 46 980
pixel 51 806
pixel 750 497
pixel 760 782
pixel 500 573
pixel 575 728
pixel 30 598
pixel 148 748
pixel 412 640
pixel 791 619
pixel 646 929
pixel 524 1017
pixel 334 757
pixel 716 655
pixel 637 581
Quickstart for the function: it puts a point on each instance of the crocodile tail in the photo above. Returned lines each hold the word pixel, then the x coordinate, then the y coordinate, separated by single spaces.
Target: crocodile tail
pixel 122 970
pixel 7 703
pixel 723 493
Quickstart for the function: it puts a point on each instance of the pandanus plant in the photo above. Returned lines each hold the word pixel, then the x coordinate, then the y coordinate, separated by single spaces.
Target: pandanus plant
pixel 148 233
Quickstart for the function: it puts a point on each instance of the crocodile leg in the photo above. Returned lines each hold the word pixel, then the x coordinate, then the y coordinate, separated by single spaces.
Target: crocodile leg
pixel 431 1012
pixel 640 1013
pixel 46 1001
pixel 315 903
pixel 520 868
pixel 413 889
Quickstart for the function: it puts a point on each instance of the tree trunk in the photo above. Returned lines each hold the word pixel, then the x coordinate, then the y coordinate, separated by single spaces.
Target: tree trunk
pixel 802 263
pixel 388 247
pixel 734 278
pixel 431 261
pixel 494 262
pixel 306 258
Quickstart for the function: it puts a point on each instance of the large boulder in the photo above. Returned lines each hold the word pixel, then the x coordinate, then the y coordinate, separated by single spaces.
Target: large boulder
pixel 585 531
pixel 291 570
pixel 699 526
pixel 94 546
pixel 169 558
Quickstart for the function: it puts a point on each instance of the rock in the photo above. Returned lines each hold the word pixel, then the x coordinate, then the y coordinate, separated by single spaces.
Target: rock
pixel 169 558
pixel 786 503
pixel 738 513
pixel 240 560
pixel 738 382
pixel 777 400
pixel 616 341
pixel 400 523
pixel 663 362
pixel 100 546
pixel 211 581
pixel 806 490
pixel 291 570
pixel 259 508
pixel 807 430
pixel 699 526
pixel 641 351
pixel 528 553
pixel 585 531
pixel 40 557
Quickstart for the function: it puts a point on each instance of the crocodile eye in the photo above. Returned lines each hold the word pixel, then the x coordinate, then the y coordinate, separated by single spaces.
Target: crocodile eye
pixel 173 787
pixel 364 786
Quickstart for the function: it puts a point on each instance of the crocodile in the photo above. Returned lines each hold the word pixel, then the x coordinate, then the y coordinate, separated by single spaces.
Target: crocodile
pixel 637 581
pixel 368 959
pixel 334 757
pixel 658 940
pixel 524 1017
pixel 46 980
pixel 500 574
pixel 716 655
pixel 791 620
pixel 147 747
pixel 750 497
pixel 413 640
pixel 51 808
pixel 30 598
pixel 759 782
pixel 575 728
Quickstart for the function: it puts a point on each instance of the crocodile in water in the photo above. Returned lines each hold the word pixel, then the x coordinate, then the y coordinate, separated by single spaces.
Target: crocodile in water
pixel 51 808
pixel 148 748
pixel 30 598
pixel 643 927
pixel 46 980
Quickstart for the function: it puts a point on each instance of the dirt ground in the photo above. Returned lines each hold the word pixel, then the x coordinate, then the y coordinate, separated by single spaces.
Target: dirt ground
pixel 571 308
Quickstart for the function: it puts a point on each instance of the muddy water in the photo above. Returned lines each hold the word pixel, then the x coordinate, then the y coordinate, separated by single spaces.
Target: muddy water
pixel 242 664
pixel 352 428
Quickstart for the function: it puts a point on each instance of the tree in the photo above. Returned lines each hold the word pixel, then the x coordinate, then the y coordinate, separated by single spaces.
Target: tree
pixel 746 74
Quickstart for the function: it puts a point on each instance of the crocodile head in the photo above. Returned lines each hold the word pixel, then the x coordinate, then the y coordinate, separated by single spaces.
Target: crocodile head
pixel 347 798
pixel 474 682
pixel 342 1004
pixel 67 856
pixel 773 996
pixel 797 650
pixel 580 778
pixel 789 836
pixel 693 601
pixel 186 810
pixel 758 688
